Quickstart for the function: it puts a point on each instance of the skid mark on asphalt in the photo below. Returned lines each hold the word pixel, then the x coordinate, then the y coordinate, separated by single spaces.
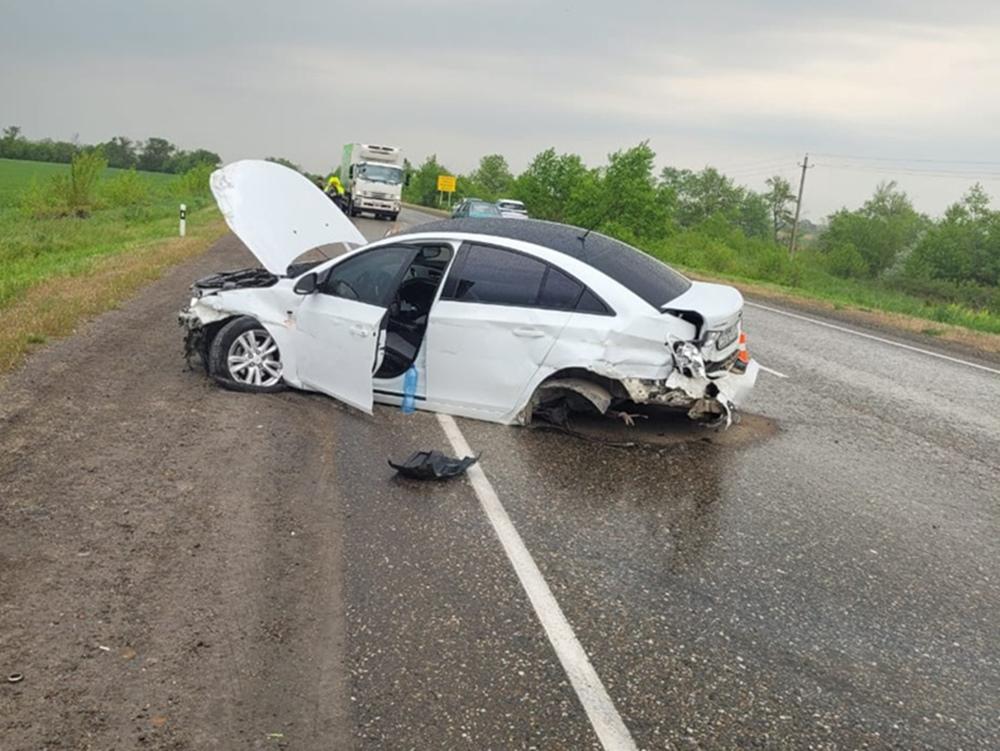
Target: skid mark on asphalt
pixel 601 712
pixel 846 330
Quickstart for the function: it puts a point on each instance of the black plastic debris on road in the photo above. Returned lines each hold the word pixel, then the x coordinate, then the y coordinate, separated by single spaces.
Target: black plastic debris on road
pixel 432 465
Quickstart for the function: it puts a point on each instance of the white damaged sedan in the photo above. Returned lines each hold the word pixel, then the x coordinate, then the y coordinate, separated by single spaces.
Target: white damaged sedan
pixel 497 316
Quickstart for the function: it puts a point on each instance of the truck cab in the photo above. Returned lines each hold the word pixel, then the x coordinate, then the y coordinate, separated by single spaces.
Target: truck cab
pixel 373 179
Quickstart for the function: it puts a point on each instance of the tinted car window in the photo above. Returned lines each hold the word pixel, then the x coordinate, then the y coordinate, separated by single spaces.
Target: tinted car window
pixel 591 303
pixel 370 277
pixel 559 291
pixel 492 275
pixel 654 282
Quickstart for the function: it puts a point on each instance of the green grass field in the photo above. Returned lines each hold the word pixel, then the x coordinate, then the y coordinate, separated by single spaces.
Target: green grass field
pixel 56 270
pixel 33 249
pixel 16 176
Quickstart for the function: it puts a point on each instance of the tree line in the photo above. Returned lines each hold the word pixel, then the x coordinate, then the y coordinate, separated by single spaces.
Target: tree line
pixel 152 155
pixel 705 219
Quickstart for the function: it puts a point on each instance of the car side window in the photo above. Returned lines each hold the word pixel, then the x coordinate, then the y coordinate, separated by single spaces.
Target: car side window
pixel 370 277
pixel 496 276
pixel 559 291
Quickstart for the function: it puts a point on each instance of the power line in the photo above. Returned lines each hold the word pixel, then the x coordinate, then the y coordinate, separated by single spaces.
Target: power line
pixel 965 174
pixel 782 168
pixel 758 163
pixel 907 159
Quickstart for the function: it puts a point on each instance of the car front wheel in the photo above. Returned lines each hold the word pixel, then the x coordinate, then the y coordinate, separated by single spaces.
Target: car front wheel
pixel 245 357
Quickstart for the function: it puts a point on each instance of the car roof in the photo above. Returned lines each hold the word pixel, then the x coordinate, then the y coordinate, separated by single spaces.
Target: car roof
pixel 654 282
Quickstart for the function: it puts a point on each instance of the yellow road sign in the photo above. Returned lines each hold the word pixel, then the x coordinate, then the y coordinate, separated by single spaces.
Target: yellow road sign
pixel 446 183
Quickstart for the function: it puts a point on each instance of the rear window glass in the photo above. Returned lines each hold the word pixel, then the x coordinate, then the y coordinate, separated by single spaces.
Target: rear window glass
pixel 492 275
pixel 654 282
pixel 559 291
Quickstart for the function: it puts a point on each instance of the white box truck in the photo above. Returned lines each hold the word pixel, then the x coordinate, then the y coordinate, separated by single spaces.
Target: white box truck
pixel 373 179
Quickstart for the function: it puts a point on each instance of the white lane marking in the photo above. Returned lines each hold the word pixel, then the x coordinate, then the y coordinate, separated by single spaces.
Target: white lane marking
pixel 604 718
pixel 872 336
pixel 772 372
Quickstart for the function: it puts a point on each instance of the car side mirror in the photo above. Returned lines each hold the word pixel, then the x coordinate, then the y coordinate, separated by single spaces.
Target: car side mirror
pixel 306 285
pixel 406 179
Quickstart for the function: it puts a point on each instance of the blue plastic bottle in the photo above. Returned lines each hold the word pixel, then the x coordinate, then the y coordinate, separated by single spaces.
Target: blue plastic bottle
pixel 410 391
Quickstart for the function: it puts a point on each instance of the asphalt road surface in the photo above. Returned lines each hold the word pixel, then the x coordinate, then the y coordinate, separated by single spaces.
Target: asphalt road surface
pixel 183 567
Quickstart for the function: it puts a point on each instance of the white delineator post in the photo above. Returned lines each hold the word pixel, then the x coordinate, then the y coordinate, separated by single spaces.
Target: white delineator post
pixel 184 211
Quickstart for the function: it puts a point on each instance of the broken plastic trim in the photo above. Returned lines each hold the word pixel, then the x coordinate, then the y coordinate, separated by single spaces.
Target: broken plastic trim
pixel 689 359
pixel 432 465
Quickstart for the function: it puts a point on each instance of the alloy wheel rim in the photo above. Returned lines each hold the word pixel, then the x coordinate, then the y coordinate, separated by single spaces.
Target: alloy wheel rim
pixel 254 359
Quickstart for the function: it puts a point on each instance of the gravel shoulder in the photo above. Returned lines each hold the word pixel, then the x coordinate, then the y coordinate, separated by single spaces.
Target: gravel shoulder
pixel 169 576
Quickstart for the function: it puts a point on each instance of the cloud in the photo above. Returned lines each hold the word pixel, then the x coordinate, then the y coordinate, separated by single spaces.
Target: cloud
pixel 728 83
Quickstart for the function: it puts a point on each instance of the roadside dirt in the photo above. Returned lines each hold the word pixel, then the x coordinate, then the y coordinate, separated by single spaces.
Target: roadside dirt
pixel 170 578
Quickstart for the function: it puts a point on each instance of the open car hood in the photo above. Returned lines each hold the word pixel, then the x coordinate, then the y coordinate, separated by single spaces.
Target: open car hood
pixel 278 213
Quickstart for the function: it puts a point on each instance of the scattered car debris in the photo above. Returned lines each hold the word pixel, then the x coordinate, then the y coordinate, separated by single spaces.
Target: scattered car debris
pixel 432 465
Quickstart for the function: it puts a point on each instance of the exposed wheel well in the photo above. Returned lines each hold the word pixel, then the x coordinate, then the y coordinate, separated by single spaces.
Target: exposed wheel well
pixel 574 389
pixel 199 341
pixel 612 386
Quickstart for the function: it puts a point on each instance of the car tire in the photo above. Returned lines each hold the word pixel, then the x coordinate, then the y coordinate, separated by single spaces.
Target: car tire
pixel 243 356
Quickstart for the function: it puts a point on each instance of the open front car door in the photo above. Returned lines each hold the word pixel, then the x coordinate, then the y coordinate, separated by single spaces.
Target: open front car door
pixel 339 323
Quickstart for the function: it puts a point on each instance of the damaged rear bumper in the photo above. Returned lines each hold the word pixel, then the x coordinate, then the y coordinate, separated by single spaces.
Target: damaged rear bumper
pixel 703 395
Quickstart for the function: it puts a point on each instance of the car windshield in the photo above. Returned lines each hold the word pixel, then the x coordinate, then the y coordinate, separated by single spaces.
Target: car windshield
pixel 483 210
pixel 381 173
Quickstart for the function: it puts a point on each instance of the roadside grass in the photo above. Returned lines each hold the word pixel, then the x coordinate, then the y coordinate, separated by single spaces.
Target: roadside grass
pixel 57 270
pixel 55 308
pixel 807 303
pixel 34 250
pixel 740 260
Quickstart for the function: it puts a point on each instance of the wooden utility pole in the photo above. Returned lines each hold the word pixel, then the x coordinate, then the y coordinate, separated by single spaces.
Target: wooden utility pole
pixel 798 206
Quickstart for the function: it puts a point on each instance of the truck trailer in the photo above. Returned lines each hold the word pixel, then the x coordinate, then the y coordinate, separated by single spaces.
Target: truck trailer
pixel 373 179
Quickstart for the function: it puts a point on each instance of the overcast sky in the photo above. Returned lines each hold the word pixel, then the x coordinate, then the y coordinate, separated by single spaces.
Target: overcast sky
pixel 872 90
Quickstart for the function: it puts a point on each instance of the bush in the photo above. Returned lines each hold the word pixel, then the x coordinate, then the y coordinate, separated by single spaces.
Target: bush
pixel 844 260
pixel 73 194
pixel 78 190
pixel 127 190
pixel 193 185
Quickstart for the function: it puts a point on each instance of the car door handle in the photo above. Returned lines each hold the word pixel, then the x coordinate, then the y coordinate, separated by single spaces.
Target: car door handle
pixel 529 333
pixel 359 330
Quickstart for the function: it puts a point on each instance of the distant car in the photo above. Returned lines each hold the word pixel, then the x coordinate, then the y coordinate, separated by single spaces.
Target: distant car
pixel 512 209
pixel 497 317
pixel 458 206
pixel 476 209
